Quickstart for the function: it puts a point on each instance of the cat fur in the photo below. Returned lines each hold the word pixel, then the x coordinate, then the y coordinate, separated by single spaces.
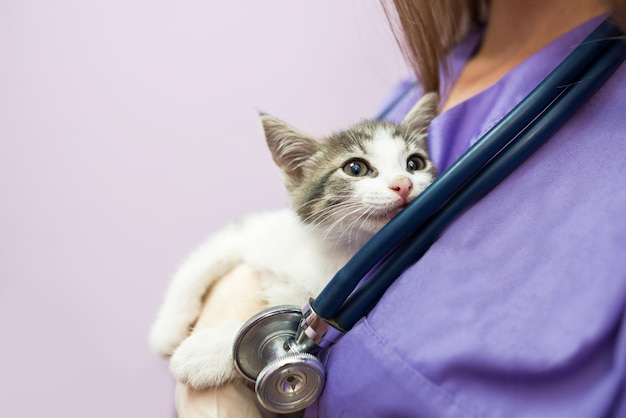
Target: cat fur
pixel 298 249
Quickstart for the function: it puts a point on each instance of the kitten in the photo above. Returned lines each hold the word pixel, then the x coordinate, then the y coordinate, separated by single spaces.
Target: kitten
pixel 342 191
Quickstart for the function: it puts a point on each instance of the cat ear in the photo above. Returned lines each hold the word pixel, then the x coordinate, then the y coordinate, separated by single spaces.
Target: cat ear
pixel 290 148
pixel 419 117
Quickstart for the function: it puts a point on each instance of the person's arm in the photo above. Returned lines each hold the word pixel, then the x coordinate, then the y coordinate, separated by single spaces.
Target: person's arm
pixel 235 297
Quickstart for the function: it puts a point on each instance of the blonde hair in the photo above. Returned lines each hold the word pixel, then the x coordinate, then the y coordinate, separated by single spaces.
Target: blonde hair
pixel 426 30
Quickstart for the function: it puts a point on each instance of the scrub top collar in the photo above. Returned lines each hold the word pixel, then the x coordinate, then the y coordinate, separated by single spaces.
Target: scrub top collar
pixel 455 130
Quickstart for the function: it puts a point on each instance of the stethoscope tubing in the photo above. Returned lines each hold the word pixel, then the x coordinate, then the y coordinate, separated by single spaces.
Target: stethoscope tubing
pixel 437 205
pixel 555 116
pixel 396 101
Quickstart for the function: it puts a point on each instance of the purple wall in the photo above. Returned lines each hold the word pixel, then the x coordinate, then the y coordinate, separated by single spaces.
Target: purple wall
pixel 128 132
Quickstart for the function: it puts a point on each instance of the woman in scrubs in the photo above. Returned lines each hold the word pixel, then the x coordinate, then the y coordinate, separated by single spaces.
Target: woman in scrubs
pixel 519 309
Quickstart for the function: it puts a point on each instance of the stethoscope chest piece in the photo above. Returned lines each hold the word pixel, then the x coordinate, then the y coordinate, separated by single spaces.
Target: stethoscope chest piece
pixel 290 383
pixel 286 379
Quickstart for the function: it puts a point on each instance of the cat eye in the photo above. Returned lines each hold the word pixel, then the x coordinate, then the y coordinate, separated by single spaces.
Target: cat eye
pixel 415 163
pixel 356 168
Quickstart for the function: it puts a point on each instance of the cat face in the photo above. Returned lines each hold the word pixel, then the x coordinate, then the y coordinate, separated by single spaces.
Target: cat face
pixel 351 184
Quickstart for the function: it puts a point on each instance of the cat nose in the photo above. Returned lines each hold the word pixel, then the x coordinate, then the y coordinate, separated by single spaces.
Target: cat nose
pixel 403 186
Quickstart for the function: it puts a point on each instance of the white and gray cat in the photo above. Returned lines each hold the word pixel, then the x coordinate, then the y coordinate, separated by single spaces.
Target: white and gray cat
pixel 342 191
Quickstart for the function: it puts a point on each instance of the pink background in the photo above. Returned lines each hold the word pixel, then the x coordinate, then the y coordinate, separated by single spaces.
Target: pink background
pixel 128 132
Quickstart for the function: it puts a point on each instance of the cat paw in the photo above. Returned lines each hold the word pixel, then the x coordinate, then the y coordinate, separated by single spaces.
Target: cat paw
pixel 204 359
pixel 167 334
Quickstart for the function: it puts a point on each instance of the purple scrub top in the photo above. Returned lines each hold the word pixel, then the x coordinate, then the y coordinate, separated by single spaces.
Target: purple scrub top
pixel 519 308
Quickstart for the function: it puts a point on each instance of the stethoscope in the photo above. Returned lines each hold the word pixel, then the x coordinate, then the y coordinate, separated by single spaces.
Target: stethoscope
pixel 275 348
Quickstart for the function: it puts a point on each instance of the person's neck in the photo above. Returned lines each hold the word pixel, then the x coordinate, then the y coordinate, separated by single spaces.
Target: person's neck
pixel 520 28
pixel 516 30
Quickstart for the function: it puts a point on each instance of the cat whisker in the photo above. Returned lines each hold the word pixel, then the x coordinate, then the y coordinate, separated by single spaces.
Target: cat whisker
pixel 351 230
pixel 336 208
pixel 318 217
pixel 339 212
pixel 310 202
pixel 345 211
pixel 357 225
